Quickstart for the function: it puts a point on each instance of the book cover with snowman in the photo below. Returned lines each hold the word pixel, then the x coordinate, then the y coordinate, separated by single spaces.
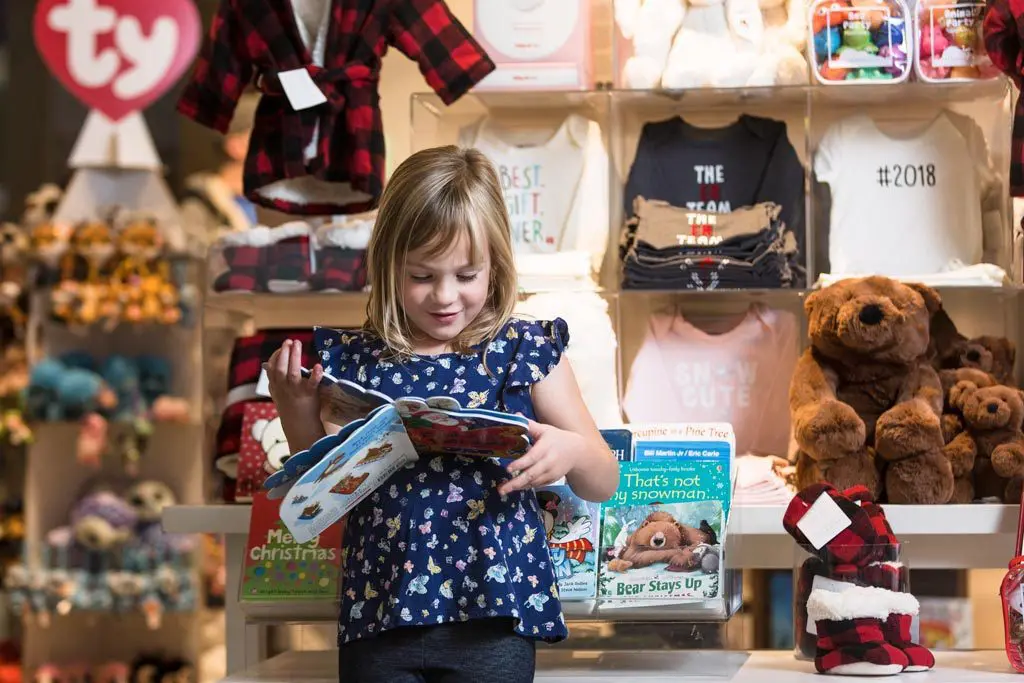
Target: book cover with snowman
pixel 572 525
pixel 662 534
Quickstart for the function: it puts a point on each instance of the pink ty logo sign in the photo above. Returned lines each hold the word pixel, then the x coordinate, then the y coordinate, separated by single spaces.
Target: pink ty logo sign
pixel 117 56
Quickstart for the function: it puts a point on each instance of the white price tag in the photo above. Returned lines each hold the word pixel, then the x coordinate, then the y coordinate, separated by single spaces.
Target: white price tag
pixel 823 521
pixel 301 91
pixel 263 384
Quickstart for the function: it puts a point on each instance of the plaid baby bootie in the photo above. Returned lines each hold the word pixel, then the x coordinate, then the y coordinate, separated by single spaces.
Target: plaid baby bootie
pixel 851 641
pixel 856 544
pixel 339 270
pixel 243 254
pixel 289 258
pixel 896 629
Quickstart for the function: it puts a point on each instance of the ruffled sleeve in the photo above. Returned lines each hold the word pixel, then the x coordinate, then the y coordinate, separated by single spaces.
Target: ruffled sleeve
pixel 341 352
pixel 538 347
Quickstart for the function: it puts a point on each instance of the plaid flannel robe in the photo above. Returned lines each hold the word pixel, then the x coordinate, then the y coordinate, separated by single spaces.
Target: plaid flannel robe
pixel 251 41
pixel 1003 31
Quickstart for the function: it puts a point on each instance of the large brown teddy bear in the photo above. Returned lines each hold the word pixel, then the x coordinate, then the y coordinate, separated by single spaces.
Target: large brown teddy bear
pixel 864 399
pixel 662 539
pixel 992 417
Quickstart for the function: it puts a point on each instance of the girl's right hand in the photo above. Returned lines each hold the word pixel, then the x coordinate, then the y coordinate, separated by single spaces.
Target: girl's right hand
pixel 291 392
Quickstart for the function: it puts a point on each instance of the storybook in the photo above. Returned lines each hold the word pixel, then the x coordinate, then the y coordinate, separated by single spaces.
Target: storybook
pixel 572 526
pixel 320 485
pixel 280 568
pixel 663 532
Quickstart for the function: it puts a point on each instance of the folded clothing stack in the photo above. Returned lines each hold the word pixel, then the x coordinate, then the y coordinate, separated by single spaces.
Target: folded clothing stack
pixel 763 480
pixel 668 247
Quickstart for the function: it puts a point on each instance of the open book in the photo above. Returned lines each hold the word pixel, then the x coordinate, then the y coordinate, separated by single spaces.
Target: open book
pixel 320 485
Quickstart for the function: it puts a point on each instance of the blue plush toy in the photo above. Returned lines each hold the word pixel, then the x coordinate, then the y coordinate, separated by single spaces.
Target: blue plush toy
pixel 154 377
pixel 41 396
pixel 826 42
pixel 889 33
pixel 80 393
pixel 122 376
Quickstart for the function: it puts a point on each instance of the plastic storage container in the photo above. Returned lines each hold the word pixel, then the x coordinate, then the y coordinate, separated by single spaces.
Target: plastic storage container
pixel 1012 594
pixel 814 569
pixel 859 42
pixel 949 44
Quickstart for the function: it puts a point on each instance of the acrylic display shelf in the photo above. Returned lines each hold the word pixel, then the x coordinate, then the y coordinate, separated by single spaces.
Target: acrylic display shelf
pixel 562 666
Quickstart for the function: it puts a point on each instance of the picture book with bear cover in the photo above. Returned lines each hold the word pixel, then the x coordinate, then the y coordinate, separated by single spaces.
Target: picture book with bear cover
pixel 663 532
pixel 320 485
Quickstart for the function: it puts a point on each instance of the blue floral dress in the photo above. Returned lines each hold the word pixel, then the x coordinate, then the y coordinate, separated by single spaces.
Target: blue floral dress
pixel 436 543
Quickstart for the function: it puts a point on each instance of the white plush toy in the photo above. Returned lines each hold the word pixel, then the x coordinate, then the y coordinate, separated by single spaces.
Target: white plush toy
pixel 650 25
pixel 719 43
pixel 270 435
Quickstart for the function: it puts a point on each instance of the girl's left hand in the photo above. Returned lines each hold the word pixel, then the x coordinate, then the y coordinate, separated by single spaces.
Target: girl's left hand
pixel 552 456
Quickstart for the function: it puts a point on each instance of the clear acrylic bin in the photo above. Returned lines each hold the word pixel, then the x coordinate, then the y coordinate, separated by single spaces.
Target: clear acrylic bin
pixel 949 46
pixel 863 43
pixel 878 566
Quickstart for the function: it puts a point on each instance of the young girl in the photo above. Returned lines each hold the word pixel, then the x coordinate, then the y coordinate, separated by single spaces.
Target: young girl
pixel 447 575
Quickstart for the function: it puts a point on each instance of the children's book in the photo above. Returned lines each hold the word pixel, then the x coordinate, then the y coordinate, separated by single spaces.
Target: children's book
pixel 663 533
pixel 572 526
pixel 620 441
pixel 320 485
pixel 278 567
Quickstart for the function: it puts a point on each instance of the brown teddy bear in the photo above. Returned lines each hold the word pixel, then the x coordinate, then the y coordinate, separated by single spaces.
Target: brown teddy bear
pixel 864 399
pixel 994 355
pixel 992 417
pixel 662 539
pixel 960 449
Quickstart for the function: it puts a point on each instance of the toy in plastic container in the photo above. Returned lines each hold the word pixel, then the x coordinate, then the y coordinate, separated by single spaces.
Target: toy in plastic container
pixel 854 42
pixel 949 42
pixel 1012 594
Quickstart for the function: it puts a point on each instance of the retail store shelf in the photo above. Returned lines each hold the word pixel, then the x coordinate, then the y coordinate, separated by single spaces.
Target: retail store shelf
pixel 207 519
pixel 563 666
pixel 285 310
pixel 935 537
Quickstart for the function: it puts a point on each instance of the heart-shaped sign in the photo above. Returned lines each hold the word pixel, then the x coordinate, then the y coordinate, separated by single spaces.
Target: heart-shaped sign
pixel 117 56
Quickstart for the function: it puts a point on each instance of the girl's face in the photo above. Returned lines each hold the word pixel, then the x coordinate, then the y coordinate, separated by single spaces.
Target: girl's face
pixel 444 294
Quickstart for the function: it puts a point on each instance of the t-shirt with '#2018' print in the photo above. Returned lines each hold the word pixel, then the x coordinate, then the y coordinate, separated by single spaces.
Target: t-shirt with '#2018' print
pixel 436 543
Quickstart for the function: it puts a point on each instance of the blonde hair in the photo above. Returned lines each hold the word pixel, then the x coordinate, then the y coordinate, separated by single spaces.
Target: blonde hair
pixel 434 198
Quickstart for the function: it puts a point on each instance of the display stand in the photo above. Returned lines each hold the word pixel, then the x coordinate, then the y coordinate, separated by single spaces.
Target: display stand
pixel 756 539
pixel 113 165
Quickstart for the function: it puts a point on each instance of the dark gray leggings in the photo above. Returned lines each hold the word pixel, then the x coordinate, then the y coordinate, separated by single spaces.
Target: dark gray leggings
pixel 465 652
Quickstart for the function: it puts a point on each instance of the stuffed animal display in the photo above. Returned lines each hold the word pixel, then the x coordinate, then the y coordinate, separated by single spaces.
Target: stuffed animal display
pixel 114 269
pixel 145 669
pixel 129 392
pixel 112 556
pixel 892 397
pixel 950 45
pixel 860 40
pixel 677 44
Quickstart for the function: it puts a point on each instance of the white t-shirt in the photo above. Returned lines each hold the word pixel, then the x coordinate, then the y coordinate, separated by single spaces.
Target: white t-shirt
pixel 901 205
pixel 556 190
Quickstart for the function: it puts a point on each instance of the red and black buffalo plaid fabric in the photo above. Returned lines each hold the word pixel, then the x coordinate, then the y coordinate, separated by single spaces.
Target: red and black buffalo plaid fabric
pixel 855 641
pixel 1003 29
pixel 247 358
pixel 857 544
pixel 251 41
pixel 342 270
pixel 896 631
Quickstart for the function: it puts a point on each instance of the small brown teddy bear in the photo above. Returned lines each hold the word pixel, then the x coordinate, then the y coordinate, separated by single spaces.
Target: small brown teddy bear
pixel 992 417
pixel 864 399
pixel 994 355
pixel 960 449
pixel 662 539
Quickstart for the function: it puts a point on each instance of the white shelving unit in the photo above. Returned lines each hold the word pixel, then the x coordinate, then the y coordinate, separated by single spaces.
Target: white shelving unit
pixel 559 666
pixel 940 537
pixel 936 537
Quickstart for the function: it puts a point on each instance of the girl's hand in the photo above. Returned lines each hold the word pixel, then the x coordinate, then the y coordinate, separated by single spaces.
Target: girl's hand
pixel 552 456
pixel 291 392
